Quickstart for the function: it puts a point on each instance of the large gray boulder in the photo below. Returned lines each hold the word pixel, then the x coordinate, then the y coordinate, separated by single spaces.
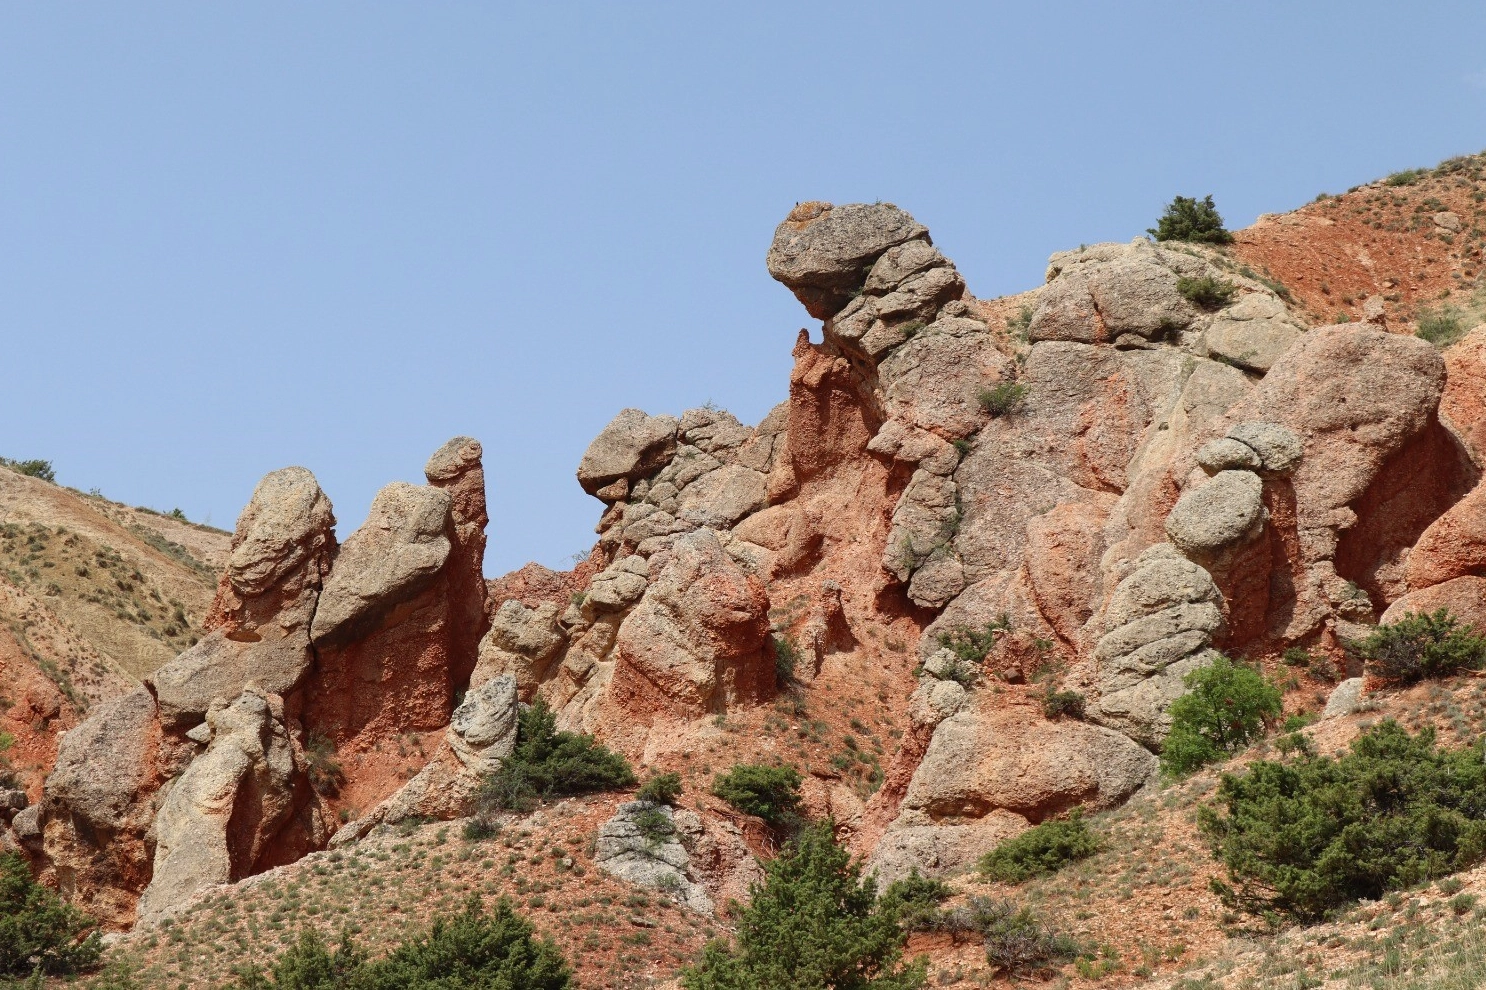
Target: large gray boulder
pixel 1101 294
pixel 396 554
pixel 641 845
pixel 1278 448
pixel 482 731
pixel 522 642
pixel 619 585
pixel 286 523
pixel 632 446
pixel 1227 510
pixel 824 253
pixel 1253 333
pixel 1160 622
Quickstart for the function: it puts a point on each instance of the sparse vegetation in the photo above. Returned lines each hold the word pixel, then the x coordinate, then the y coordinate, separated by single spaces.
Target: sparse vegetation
pixel 1306 837
pixel 1421 646
pixel 474 950
pixel 31 468
pixel 662 788
pixel 1441 326
pixel 771 793
pixel 38 933
pixel 325 773
pixel 1225 709
pixel 1017 941
pixel 1044 848
pixel 1002 399
pixel 786 657
pixel 1193 220
pixel 1057 704
pixel 815 923
pixel 971 646
pixel 547 764
pixel 1206 292
pixel 1407 177
pixel 1021 323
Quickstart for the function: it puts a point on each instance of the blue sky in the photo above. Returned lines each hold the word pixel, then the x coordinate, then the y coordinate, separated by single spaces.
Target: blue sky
pixel 239 236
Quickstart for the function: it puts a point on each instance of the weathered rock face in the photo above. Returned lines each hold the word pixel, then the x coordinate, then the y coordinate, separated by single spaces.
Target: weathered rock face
pixel 643 844
pixel 100 802
pixel 824 253
pixel 630 447
pixel 988 773
pixel 481 734
pixel 260 621
pixel 396 631
pixel 226 816
pixel 376 643
pixel 695 642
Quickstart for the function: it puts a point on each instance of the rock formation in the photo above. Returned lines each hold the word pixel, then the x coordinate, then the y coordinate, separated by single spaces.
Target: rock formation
pixel 961 507
pixel 207 770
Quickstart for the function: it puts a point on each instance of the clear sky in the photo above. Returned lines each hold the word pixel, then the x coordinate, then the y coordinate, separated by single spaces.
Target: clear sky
pixel 239 236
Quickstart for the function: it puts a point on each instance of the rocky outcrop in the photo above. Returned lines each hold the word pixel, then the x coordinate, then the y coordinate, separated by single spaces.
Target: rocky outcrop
pixel 481 735
pixel 99 805
pixel 205 778
pixel 396 631
pixel 644 844
pixel 989 772
pixel 227 815
pixel 259 628
pixel 630 447
pixel 824 253
pixel 695 642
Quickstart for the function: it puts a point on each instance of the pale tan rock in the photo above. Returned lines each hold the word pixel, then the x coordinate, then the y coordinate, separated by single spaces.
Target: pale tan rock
pixel 632 446
pixel 396 554
pixel 224 814
pixel 823 253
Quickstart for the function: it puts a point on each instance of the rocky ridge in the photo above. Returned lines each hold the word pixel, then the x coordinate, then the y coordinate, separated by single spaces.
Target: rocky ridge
pixel 1102 482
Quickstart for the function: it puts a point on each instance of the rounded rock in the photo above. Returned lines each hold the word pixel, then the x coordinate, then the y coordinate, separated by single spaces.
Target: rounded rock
pixel 1219 514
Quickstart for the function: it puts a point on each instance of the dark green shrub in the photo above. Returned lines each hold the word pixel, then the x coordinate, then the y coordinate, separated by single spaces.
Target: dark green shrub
pixel 474 950
pixel 915 899
pixel 310 965
pixel 1421 646
pixel 971 646
pixel 654 825
pixel 1225 709
pixel 1044 848
pixel 1407 177
pixel 786 657
pixel 1056 704
pixel 815 923
pixel 481 827
pixel 1002 399
pixel 1017 942
pixel 1206 292
pixel 37 930
pixel 1188 219
pixel 1296 656
pixel 661 788
pixel 1306 837
pixel 766 792
pixel 32 468
pixel 547 764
